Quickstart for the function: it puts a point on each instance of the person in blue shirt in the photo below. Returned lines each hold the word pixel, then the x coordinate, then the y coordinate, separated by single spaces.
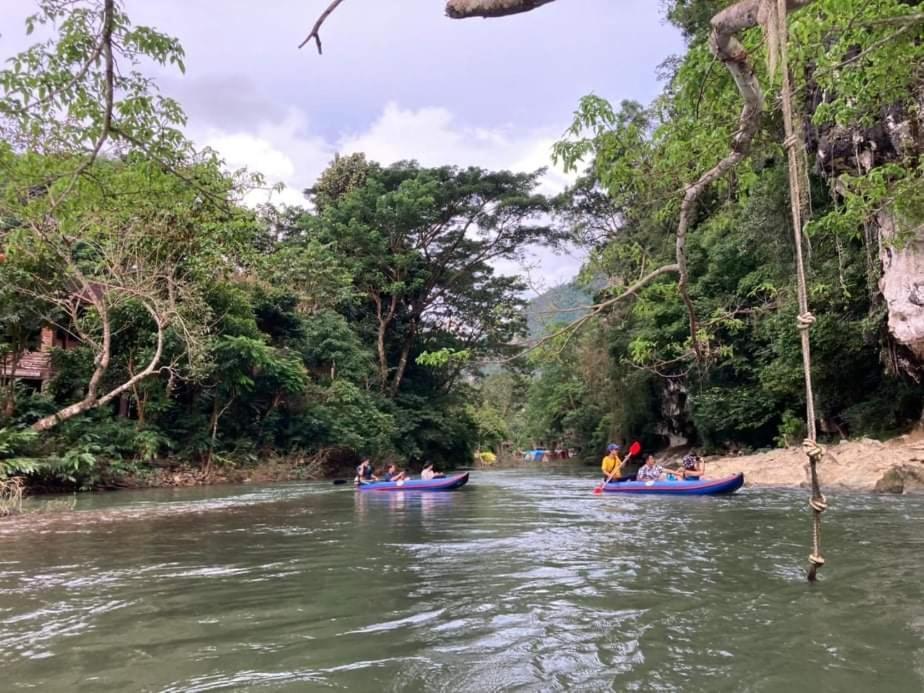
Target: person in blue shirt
pixel 392 474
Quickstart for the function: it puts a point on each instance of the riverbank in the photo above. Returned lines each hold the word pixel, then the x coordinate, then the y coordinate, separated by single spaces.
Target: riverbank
pixel 894 466
pixel 104 475
pixel 181 475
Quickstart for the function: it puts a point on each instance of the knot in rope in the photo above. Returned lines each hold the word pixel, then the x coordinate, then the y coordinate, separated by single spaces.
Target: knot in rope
pixel 819 503
pixel 814 451
pixel 805 320
pixel 816 560
pixel 791 141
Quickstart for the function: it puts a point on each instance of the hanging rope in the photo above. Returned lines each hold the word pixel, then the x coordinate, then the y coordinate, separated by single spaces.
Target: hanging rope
pixel 777 32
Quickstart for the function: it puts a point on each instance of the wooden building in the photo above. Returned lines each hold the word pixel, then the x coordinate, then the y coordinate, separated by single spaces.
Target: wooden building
pixel 34 367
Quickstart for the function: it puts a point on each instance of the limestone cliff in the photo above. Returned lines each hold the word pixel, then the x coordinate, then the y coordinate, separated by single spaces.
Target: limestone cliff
pixel 902 287
pixel 898 136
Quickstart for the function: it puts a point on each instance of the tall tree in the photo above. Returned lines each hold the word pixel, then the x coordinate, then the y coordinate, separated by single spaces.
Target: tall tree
pixel 421 243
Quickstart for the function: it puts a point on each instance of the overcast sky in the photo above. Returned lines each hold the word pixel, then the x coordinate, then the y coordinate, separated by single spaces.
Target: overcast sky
pixel 397 80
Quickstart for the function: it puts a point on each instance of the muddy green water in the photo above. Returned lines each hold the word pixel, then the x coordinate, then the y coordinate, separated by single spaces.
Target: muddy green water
pixel 513 583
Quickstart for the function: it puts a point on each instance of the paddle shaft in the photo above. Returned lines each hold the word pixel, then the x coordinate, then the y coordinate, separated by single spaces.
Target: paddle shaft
pixel 613 473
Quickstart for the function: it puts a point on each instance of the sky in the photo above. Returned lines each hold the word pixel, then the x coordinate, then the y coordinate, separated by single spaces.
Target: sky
pixel 397 80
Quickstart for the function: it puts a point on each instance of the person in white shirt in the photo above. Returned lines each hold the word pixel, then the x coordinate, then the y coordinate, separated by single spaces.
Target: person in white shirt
pixel 649 471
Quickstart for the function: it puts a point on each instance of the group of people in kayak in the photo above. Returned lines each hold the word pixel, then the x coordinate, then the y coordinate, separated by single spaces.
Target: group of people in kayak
pixel 692 467
pixel 365 474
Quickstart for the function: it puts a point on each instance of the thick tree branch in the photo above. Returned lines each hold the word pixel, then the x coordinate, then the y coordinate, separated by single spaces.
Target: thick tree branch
pixel 465 9
pixel 149 370
pixel 726 47
pixel 455 9
pixel 315 30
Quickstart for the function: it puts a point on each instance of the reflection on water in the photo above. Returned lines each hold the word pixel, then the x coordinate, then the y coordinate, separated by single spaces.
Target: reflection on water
pixel 515 582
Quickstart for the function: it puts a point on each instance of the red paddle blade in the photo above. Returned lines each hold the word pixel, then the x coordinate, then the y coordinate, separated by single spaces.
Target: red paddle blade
pixel 598 490
pixel 635 448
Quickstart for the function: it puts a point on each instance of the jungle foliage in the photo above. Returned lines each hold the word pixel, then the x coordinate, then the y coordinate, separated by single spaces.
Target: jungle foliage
pixel 633 374
pixel 205 330
pixel 208 331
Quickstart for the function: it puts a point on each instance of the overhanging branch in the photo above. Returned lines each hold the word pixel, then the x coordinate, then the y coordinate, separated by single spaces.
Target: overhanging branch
pixel 455 9
pixel 315 30
pixel 466 9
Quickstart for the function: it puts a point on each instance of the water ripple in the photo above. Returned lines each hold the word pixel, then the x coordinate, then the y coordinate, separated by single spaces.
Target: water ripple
pixel 519 582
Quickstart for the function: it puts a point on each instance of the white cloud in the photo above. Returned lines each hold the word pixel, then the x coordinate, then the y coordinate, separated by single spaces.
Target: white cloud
pixel 289 152
pixel 284 152
pixel 433 137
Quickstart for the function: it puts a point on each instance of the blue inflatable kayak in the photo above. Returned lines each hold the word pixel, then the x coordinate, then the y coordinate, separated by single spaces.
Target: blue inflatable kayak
pixel 449 483
pixel 678 487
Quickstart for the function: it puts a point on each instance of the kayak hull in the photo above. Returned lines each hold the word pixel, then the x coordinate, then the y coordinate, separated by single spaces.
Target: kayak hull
pixel 699 487
pixel 449 483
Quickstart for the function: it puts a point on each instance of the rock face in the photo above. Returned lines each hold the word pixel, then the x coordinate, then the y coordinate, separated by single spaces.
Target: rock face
pixel 902 282
pixel 896 466
pixel 675 415
pixel 897 136
pixel 904 478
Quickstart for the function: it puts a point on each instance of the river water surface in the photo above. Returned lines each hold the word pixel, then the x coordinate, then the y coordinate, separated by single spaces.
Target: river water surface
pixel 516 582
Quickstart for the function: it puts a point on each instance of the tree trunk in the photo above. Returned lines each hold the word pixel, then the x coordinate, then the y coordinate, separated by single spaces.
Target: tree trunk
pixel 464 9
pixel 100 366
pixel 8 382
pixel 383 358
pixel 384 323
pixel 402 362
pixel 212 438
pixel 9 401
pixel 92 398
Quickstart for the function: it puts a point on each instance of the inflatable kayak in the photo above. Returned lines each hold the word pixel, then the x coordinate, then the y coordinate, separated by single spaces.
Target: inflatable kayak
pixel 449 483
pixel 679 487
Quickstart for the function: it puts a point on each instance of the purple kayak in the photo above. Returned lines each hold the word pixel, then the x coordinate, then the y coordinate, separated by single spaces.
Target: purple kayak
pixel 448 483
pixel 679 487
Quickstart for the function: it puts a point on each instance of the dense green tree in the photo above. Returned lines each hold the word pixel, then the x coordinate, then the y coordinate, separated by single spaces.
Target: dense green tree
pixel 744 386
pixel 420 244
pixel 213 332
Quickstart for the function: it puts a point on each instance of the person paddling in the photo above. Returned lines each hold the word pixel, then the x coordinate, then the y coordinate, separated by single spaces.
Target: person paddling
pixel 392 474
pixel 614 464
pixel 611 465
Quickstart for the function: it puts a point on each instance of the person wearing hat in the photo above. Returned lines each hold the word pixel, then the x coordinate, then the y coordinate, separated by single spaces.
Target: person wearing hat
pixel 611 464
pixel 427 472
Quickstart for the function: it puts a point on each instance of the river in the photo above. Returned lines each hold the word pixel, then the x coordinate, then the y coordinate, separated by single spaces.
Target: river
pixel 516 582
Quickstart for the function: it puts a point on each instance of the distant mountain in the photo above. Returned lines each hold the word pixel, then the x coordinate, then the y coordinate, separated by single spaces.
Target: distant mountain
pixel 556 307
